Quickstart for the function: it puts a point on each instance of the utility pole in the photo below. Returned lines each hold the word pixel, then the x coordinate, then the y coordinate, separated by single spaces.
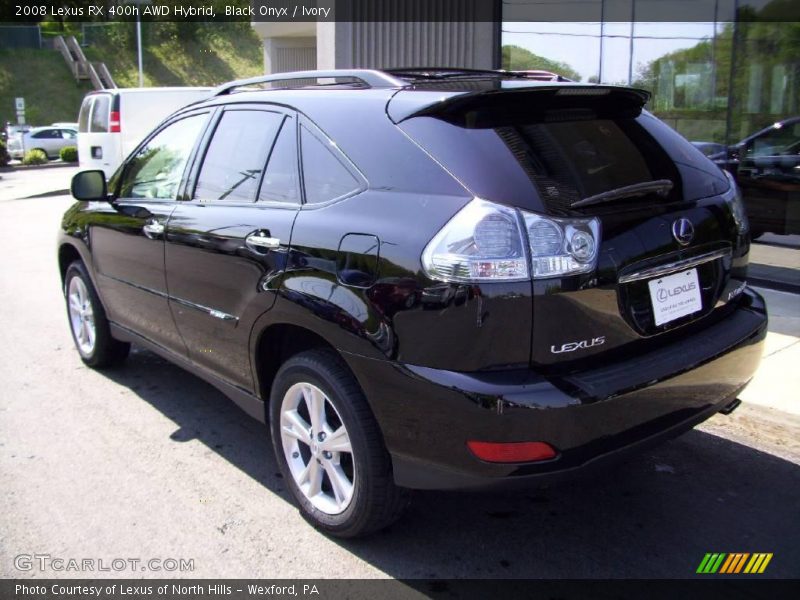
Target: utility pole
pixel 139 49
pixel 630 45
pixel 139 4
pixel 602 35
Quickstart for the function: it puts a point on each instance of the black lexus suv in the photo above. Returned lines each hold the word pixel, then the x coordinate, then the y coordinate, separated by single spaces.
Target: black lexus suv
pixel 423 278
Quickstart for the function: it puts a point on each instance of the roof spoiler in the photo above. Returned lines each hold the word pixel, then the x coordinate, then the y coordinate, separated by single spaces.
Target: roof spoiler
pixel 539 101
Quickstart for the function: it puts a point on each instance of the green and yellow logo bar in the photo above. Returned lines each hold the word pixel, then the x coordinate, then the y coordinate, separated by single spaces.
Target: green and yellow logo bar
pixel 736 562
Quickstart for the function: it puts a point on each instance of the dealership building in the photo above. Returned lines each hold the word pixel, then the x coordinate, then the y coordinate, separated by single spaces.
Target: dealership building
pixel 727 69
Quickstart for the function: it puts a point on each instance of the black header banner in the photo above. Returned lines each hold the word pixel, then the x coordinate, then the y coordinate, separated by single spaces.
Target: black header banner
pixel 28 12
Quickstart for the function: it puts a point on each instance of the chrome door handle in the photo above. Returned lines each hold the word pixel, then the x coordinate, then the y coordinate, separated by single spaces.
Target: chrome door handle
pixel 153 228
pixel 262 241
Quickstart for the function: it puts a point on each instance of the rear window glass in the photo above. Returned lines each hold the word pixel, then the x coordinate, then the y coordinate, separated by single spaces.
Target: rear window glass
pixel 100 114
pixel 573 160
pixel 83 117
pixel 561 161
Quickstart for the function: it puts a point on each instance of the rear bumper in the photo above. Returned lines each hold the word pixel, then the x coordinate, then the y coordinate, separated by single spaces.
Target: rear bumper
pixel 591 418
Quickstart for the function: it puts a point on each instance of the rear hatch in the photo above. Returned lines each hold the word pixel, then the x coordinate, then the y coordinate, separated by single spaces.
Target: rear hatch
pixel 670 254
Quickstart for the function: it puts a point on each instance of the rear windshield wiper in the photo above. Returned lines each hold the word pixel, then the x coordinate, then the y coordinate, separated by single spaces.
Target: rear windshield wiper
pixel 658 186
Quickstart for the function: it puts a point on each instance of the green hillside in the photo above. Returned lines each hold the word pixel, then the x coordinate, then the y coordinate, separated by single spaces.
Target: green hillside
pixel 44 80
pixel 174 54
pixel 177 53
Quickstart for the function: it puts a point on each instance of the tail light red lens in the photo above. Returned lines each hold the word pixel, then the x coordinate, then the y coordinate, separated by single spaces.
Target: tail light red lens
pixel 512 452
pixel 114 123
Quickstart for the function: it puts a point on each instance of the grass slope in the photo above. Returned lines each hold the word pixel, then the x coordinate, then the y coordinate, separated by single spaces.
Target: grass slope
pixel 217 53
pixel 213 55
pixel 44 80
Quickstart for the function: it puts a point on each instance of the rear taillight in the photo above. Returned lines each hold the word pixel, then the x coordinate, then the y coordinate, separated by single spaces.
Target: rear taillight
pixel 491 242
pixel 734 199
pixel 562 246
pixel 511 452
pixel 483 242
pixel 114 123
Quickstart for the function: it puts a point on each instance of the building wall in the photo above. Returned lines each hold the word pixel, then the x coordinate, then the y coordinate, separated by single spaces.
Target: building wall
pixel 399 44
pixel 378 37
pixel 289 54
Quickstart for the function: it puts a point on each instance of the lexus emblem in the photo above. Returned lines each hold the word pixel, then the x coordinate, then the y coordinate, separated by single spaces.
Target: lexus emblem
pixel 683 231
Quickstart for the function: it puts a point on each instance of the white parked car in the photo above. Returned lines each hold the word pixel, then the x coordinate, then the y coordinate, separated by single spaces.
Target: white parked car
pixel 48 139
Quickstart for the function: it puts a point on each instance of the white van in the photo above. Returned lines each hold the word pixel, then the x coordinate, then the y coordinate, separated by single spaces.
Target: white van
pixel 113 122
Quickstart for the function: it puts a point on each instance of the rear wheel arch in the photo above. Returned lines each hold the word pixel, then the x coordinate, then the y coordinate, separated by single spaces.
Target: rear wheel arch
pixel 276 344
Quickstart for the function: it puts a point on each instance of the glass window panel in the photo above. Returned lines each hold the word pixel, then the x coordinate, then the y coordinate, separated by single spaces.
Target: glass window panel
pixel 236 156
pixel 156 169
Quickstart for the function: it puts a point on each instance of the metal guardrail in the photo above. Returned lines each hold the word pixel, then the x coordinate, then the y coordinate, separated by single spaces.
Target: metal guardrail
pixel 76 68
pixel 94 77
pixel 105 76
pixel 79 65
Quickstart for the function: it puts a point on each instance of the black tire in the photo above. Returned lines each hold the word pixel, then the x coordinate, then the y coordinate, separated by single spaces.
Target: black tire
pixel 106 351
pixel 375 502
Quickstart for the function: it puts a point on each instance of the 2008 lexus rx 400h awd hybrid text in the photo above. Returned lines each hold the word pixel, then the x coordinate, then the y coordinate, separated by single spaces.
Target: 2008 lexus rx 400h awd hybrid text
pixel 423 278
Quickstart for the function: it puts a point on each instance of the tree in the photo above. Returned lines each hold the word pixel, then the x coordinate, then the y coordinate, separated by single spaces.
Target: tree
pixel 516 58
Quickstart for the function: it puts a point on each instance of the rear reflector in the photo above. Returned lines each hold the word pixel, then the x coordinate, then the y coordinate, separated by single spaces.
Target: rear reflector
pixel 113 122
pixel 512 452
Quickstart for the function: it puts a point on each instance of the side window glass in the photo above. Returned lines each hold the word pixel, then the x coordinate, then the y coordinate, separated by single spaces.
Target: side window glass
pixel 83 117
pixel 68 134
pixel 236 155
pixel 155 171
pixel 99 123
pixel 324 176
pixel 280 182
pixel 776 142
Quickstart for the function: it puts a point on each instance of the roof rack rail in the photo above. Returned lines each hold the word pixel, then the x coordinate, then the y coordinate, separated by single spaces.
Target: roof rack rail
pixel 371 78
pixel 443 73
pixel 423 71
pixel 539 75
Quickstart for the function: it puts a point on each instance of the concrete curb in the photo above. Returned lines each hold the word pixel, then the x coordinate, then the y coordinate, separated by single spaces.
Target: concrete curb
pixel 51 165
pixel 782 279
pixel 46 194
pixel 778 286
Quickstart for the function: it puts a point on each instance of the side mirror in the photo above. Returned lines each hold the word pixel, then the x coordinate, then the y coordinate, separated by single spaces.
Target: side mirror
pixel 89 186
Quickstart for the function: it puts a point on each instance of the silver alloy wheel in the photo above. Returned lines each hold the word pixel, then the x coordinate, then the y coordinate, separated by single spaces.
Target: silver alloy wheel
pixel 81 315
pixel 317 448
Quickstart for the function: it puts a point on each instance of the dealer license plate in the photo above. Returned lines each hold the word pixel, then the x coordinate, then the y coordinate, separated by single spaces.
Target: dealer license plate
pixel 675 296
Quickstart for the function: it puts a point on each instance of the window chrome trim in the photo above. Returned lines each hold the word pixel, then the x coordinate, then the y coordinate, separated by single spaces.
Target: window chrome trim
pixel 675 267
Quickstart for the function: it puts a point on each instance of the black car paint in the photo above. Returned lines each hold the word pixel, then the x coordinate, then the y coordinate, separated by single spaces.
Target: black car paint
pixel 349 271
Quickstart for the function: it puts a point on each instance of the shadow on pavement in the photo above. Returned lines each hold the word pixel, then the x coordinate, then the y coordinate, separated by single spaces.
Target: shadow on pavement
pixel 654 516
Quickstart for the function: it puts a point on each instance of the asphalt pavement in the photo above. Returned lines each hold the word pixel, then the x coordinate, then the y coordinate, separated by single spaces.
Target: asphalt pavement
pixel 147 461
